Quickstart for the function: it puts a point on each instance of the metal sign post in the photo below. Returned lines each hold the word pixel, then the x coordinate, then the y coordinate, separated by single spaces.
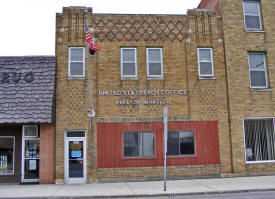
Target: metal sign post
pixel 165 110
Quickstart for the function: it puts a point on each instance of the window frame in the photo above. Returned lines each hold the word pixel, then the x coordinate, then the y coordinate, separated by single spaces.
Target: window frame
pixel 139 157
pixel 265 70
pixel 212 75
pixel 69 62
pixel 148 62
pixel 122 62
pixel 188 155
pixel 13 137
pixel 259 12
pixel 244 137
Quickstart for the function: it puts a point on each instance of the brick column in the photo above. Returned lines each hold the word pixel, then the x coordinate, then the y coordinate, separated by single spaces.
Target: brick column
pixel 47 154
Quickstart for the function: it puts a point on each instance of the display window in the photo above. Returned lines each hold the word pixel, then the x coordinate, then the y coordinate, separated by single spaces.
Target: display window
pixel 6 155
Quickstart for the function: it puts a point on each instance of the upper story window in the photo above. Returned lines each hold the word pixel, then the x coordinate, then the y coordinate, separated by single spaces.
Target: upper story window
pixel 154 62
pixel 138 144
pixel 205 62
pixel 257 70
pixel 180 143
pixel 252 15
pixel 128 59
pixel 76 62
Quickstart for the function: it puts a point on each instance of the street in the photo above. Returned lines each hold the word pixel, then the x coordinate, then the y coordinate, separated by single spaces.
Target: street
pixel 249 195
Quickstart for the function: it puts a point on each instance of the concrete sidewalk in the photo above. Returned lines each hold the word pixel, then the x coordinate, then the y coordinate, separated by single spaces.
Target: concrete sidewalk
pixel 141 189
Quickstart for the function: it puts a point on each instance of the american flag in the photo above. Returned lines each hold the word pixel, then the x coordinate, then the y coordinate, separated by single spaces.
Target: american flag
pixel 92 46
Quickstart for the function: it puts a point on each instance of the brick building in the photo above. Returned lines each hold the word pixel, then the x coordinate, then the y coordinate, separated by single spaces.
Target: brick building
pixel 27 116
pixel 248 29
pixel 145 63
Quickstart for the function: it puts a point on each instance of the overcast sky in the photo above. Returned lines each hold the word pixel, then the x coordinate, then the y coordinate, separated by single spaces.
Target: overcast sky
pixel 28 26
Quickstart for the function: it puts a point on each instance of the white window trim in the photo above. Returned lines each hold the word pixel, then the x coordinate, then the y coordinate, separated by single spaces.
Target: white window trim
pixel 259 15
pixel 36 128
pixel 69 63
pixel 210 76
pixel 245 155
pixel 191 155
pixel 265 70
pixel 121 64
pixel 140 157
pixel 8 174
pixel 148 62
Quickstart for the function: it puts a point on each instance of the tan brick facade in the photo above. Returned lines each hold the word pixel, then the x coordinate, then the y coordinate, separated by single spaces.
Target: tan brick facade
pixel 245 102
pixel 179 36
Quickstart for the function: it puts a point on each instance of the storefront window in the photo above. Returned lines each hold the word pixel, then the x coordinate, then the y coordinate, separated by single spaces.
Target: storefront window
pixel 138 144
pixel 259 140
pixel 6 155
pixel 181 143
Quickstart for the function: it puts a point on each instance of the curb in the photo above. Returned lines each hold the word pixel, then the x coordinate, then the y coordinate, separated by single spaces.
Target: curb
pixel 170 195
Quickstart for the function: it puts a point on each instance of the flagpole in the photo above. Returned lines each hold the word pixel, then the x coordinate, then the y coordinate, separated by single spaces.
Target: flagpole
pixel 91 112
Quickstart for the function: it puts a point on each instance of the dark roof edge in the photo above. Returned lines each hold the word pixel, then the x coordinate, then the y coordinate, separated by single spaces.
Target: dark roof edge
pixel 30 56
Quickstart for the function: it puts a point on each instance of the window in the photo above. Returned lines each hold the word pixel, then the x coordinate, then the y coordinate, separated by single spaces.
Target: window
pixel 75 133
pixel 252 15
pixel 30 131
pixel 259 139
pixel 6 155
pixel 257 70
pixel 76 62
pixel 128 58
pixel 180 143
pixel 138 144
pixel 154 62
pixel 205 62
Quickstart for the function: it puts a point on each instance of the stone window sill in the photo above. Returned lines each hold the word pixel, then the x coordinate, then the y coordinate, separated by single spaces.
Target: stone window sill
pixel 260 89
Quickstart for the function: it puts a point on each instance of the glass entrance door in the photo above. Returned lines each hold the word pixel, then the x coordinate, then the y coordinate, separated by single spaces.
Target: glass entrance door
pixel 75 160
pixel 31 160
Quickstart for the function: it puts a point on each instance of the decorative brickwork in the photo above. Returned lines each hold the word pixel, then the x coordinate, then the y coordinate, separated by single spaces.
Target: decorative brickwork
pixel 139 28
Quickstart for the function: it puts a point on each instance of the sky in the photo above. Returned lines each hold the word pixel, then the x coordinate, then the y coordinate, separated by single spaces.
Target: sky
pixel 28 26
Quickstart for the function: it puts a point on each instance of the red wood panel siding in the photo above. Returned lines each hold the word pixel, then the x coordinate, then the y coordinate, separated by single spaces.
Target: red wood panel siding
pixel 110 144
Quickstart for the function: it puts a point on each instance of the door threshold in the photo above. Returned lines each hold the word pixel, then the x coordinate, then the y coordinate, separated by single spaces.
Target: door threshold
pixel 30 183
